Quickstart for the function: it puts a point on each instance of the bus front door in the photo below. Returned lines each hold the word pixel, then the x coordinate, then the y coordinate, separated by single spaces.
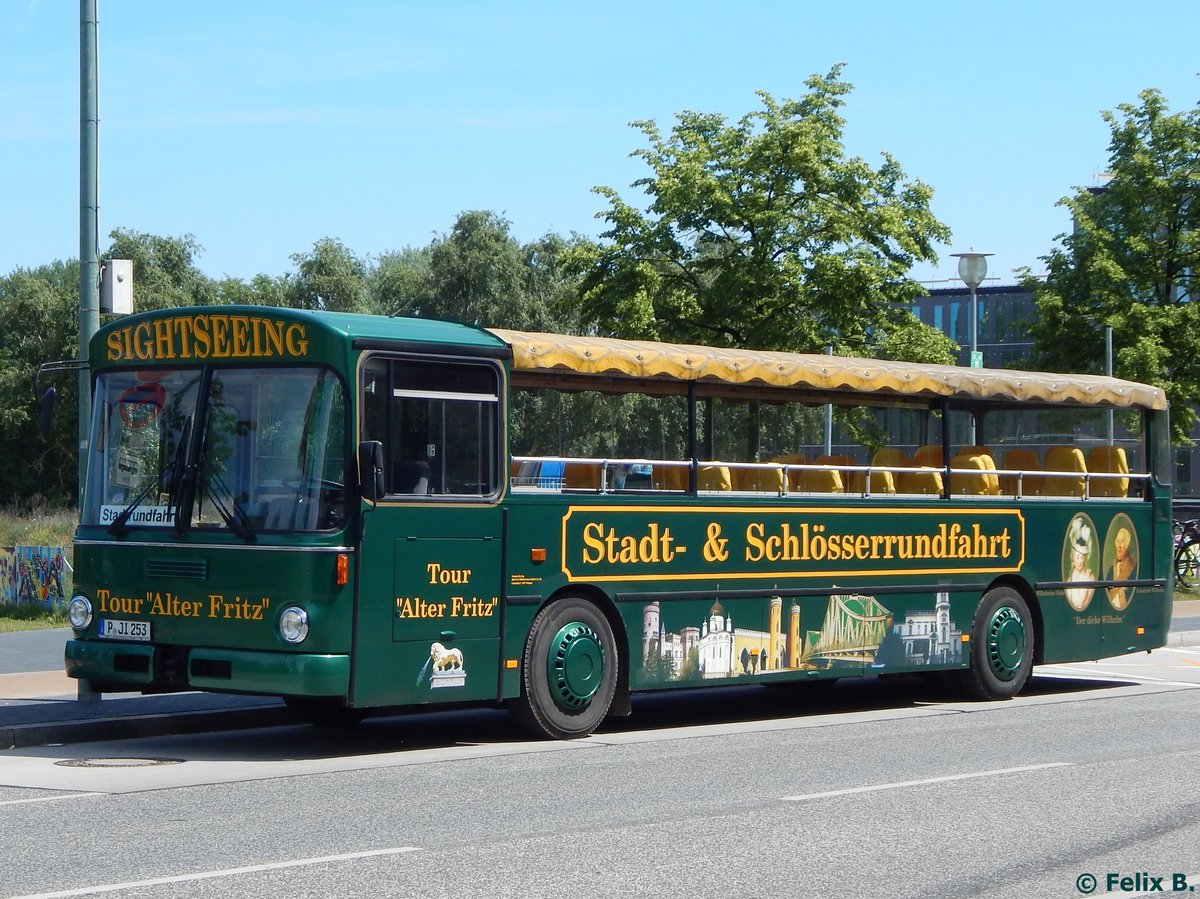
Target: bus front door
pixel 427 628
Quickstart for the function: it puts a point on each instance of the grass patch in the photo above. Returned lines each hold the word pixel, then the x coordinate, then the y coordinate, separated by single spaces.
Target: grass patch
pixel 25 618
pixel 39 526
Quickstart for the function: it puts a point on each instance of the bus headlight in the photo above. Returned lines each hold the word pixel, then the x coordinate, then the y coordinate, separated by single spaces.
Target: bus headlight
pixel 293 624
pixel 79 612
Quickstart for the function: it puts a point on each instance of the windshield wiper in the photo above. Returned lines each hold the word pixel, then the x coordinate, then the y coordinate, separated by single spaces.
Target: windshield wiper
pixel 235 518
pixel 174 468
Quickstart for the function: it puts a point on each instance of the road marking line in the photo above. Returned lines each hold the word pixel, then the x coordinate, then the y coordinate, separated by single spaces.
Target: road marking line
pixel 926 781
pixel 48 798
pixel 1100 674
pixel 209 875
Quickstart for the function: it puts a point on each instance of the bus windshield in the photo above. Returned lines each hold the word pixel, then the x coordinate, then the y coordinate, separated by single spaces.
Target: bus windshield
pixel 223 449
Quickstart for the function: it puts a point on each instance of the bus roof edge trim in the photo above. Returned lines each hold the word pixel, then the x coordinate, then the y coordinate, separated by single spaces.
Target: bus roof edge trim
pixel 609 356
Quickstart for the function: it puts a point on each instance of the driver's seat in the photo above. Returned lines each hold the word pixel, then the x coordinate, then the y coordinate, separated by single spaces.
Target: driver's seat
pixel 412 477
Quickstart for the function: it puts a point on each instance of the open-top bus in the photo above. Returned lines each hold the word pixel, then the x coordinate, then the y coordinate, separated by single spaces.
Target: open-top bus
pixel 357 512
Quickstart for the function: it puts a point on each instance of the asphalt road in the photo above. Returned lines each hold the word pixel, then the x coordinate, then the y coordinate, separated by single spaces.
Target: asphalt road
pixel 867 789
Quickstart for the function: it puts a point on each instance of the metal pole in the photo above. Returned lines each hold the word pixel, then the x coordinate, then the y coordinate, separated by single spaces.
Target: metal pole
pixel 89 266
pixel 829 414
pixel 974 322
pixel 974 349
pixel 1108 370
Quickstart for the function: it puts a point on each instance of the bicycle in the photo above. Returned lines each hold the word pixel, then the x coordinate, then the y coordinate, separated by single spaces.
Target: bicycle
pixel 1187 552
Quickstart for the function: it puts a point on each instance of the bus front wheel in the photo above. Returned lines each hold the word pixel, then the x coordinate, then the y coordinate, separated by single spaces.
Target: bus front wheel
pixel 1001 646
pixel 569 671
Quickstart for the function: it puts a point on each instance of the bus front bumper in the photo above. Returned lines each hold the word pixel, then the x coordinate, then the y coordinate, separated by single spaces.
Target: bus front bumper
pixel 152 668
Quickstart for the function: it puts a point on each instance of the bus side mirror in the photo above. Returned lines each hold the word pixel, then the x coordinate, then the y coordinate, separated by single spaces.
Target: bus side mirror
pixel 370 469
pixel 45 412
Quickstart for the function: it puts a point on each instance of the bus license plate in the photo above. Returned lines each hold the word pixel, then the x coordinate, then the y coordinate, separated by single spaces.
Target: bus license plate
pixel 124 630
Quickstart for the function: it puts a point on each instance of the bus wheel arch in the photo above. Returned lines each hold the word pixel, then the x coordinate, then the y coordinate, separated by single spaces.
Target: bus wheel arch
pixel 571 667
pixel 1003 645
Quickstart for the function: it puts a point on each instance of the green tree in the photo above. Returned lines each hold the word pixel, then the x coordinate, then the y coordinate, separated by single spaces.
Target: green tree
pixel 329 277
pixel 1131 261
pixel 762 234
pixel 164 269
pixel 399 281
pixel 479 273
pixel 38 315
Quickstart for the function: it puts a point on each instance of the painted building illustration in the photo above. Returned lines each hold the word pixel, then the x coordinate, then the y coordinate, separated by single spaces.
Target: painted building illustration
pixel 854 628
pixel 929 638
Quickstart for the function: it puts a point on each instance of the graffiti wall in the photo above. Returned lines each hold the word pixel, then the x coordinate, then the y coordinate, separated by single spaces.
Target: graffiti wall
pixel 33 575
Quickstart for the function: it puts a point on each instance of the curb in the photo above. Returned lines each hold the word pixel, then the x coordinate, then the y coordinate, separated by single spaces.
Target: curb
pixel 117 726
pixel 1178 639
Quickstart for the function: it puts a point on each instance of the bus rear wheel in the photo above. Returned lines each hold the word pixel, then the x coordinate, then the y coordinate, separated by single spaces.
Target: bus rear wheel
pixel 569 672
pixel 1001 647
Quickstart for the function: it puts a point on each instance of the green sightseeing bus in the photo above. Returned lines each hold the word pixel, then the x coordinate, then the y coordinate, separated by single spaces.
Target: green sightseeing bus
pixel 356 512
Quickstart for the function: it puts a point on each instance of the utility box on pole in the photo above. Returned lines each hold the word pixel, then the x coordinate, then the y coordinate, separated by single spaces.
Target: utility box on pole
pixel 116 286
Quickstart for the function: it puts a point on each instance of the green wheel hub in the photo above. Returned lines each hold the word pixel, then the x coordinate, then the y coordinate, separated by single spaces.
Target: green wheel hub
pixel 1006 643
pixel 575 665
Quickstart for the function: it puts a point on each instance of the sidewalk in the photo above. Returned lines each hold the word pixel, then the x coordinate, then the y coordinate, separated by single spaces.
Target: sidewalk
pixel 39 704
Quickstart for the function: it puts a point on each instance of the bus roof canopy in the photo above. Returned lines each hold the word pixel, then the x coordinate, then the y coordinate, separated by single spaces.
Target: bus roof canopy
pixel 574 361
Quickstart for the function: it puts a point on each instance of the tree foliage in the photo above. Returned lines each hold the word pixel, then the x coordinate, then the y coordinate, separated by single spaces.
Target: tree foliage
pixel 763 234
pixel 480 274
pixel 38 315
pixel 477 273
pixel 1131 261
pixel 329 277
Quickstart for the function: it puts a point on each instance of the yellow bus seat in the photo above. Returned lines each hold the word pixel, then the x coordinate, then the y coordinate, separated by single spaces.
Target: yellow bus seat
pixel 1108 460
pixel 927 481
pixel 793 475
pixel 844 477
pixel 669 477
pixel 821 480
pixel 1065 459
pixel 581 475
pixel 970 475
pixel 887 457
pixel 991 479
pixel 1023 460
pixel 927 456
pixel 714 477
pixel 759 480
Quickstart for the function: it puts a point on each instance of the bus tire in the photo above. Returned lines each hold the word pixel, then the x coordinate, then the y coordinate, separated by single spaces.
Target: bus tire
pixel 324 711
pixel 569 672
pixel 1002 642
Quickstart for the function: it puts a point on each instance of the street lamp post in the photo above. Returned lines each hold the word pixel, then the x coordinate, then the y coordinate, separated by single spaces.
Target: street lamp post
pixel 972 269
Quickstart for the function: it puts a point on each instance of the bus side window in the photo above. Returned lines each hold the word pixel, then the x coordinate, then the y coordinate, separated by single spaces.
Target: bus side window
pixel 438 423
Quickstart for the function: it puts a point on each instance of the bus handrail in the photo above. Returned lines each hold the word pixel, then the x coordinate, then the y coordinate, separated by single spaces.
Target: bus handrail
pixel 605 464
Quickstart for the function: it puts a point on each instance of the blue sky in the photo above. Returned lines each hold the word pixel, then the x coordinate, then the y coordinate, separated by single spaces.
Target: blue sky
pixel 262 127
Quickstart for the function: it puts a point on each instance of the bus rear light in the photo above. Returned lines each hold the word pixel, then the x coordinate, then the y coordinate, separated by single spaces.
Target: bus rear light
pixel 343 569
